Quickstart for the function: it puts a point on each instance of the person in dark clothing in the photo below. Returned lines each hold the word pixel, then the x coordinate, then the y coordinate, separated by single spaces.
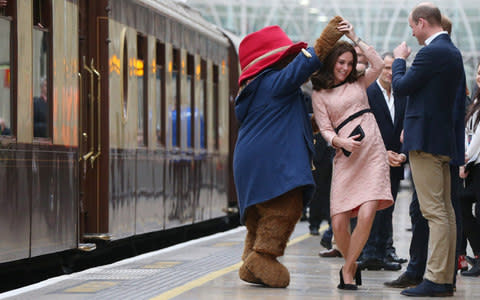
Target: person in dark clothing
pixel 389 111
pixel 41 112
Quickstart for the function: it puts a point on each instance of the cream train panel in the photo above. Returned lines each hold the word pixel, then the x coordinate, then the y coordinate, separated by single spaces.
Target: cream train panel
pixel 123 93
pixel 223 108
pixel 24 82
pixel 150 67
pixel 65 69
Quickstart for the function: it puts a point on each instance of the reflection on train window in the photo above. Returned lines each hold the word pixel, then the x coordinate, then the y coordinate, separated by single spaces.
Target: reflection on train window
pixel 140 73
pixel 174 131
pixel 5 73
pixel 41 101
pixel 188 108
pixel 41 13
pixel 160 92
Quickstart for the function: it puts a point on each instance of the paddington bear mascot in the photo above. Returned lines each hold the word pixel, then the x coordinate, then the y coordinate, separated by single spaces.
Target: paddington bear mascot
pixel 272 159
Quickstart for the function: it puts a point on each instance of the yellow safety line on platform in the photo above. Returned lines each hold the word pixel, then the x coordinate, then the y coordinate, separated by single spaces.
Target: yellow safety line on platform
pixel 211 276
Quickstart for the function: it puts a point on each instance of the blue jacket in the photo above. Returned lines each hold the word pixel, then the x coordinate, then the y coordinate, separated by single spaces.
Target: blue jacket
pixel 389 129
pixel 435 84
pixel 274 146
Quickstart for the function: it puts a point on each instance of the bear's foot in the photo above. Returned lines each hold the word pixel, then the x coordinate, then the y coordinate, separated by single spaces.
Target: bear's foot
pixel 267 270
pixel 247 276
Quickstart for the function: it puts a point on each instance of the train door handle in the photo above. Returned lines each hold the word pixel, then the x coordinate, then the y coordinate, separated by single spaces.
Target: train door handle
pixel 91 97
pixel 99 140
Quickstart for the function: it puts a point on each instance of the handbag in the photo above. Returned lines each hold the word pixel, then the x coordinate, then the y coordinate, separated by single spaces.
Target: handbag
pixel 357 130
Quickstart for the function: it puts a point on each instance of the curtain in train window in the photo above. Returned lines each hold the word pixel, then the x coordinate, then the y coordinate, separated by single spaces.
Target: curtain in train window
pixel 5 73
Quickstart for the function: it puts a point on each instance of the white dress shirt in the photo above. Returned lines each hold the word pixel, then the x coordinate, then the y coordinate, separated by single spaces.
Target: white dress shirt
pixel 433 36
pixel 472 139
pixel 389 100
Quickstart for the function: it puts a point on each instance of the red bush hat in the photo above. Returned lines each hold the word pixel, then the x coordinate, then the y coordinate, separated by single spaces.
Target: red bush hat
pixel 263 48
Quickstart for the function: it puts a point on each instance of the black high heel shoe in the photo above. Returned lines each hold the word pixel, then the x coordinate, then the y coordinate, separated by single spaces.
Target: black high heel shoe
pixel 346 286
pixel 358 276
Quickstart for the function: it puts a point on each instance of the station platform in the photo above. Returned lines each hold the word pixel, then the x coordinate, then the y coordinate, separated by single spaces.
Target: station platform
pixel 207 269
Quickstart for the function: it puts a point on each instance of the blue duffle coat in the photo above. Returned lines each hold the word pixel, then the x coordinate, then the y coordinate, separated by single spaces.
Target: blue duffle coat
pixel 274 146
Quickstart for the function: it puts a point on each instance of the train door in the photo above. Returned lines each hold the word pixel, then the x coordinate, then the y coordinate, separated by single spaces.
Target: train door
pixel 93 116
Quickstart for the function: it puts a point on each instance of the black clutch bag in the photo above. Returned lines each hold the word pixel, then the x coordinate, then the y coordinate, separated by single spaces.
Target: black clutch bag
pixel 355 131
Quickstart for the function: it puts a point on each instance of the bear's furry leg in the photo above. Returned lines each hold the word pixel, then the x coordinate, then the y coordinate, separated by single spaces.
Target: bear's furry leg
pixel 277 220
pixel 251 222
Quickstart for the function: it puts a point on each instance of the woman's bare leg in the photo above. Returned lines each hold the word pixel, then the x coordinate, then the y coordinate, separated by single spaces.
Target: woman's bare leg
pixel 351 245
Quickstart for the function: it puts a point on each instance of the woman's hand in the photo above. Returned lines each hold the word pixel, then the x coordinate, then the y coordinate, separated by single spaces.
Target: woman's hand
pixel 347 29
pixel 349 144
pixel 462 173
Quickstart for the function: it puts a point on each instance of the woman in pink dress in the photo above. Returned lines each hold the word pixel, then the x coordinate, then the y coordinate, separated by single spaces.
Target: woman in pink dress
pixel 360 181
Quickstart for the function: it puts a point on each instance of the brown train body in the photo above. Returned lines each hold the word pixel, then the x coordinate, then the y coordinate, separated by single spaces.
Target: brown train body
pixel 139 129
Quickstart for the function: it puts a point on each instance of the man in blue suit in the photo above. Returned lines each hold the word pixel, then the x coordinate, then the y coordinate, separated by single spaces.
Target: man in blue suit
pixel 389 111
pixel 433 137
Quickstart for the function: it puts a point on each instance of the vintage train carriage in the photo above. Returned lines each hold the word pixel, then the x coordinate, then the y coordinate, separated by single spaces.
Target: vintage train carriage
pixel 119 121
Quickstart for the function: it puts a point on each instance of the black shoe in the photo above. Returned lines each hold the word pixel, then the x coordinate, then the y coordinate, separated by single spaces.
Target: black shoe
pixel 403 282
pixel 471 260
pixel 325 243
pixel 391 266
pixel 429 289
pixel 358 276
pixel 346 286
pixel 330 253
pixel 314 231
pixel 474 271
pixel 375 264
pixel 393 257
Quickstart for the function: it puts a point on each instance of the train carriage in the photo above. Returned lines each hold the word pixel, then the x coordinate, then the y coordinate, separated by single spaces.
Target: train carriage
pixel 136 126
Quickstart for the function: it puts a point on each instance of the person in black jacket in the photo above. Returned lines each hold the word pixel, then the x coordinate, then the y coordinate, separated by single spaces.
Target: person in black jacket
pixel 389 111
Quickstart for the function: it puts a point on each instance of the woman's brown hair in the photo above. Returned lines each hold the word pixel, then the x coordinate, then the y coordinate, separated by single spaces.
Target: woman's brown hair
pixel 474 106
pixel 324 78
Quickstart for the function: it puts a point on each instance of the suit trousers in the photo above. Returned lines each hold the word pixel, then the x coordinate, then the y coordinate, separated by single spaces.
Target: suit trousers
pixel 431 175
pixel 418 247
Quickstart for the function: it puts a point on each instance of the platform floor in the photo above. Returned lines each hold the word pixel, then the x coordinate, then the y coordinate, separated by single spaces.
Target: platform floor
pixel 207 269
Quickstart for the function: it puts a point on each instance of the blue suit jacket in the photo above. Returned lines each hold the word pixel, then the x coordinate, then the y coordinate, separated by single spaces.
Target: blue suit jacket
pixel 389 129
pixel 275 140
pixel 435 84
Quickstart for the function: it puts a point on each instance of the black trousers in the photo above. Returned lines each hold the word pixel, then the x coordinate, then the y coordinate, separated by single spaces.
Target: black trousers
pixel 471 224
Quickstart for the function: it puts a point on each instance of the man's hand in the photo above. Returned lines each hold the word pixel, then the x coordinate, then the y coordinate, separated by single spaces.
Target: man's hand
pixel 3 3
pixel 396 159
pixel 402 51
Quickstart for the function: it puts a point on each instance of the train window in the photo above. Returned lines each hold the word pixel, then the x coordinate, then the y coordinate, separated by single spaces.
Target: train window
pixel 5 72
pixel 160 92
pixel 200 96
pixel 216 93
pixel 141 74
pixel 41 51
pixel 173 102
pixel 190 109
pixel 41 13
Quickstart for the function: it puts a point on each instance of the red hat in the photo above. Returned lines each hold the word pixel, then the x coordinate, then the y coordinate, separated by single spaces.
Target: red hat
pixel 263 48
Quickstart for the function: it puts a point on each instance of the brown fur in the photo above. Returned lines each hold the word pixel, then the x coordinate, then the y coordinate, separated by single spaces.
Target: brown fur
pixel 328 38
pixel 251 222
pixel 267 270
pixel 269 226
